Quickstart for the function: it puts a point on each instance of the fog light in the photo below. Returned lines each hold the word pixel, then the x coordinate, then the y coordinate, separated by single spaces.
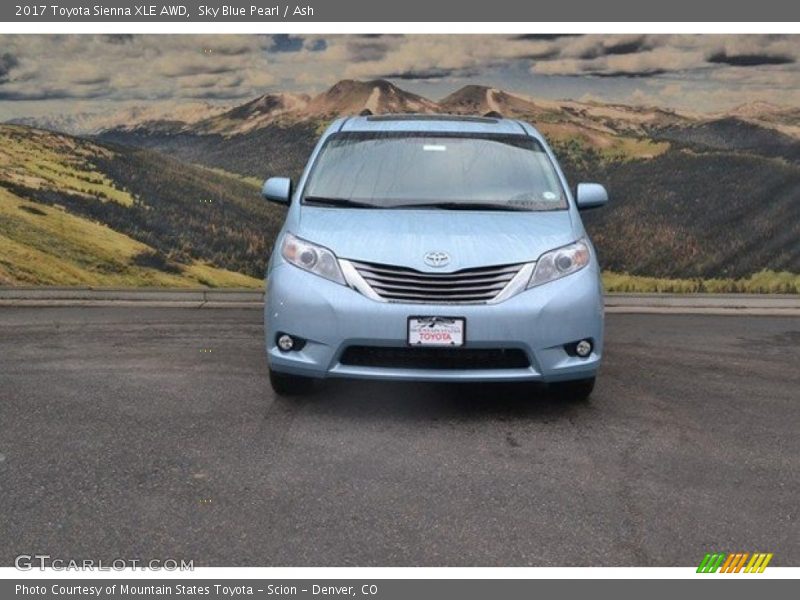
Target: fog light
pixel 583 348
pixel 285 342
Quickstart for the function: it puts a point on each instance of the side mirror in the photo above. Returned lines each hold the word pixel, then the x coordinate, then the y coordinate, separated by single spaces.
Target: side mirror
pixel 277 189
pixel 591 195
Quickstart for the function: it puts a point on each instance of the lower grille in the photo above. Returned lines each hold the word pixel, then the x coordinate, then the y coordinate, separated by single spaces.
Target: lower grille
pixel 401 284
pixel 435 358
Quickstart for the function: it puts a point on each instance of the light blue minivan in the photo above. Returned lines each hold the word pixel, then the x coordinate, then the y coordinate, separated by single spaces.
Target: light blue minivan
pixel 438 248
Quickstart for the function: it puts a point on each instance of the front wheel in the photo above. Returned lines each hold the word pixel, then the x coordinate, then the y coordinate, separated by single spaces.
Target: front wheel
pixel 284 384
pixel 576 391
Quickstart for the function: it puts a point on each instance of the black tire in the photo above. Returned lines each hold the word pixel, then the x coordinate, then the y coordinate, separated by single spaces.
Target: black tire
pixel 574 391
pixel 289 385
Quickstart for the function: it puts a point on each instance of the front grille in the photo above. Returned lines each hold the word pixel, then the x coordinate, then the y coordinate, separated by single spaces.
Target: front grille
pixel 401 284
pixel 434 358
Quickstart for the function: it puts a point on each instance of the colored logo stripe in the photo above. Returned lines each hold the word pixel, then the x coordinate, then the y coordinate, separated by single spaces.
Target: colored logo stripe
pixel 758 563
pixel 727 565
pixel 711 562
pixel 733 563
pixel 741 562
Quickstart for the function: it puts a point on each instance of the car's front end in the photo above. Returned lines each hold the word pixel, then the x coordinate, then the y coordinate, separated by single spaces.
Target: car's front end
pixel 431 291
pixel 359 324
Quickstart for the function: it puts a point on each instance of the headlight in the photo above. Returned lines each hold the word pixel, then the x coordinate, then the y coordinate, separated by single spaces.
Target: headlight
pixel 312 258
pixel 560 262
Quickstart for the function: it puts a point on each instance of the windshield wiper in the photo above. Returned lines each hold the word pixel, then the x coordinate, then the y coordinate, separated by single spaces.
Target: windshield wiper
pixel 344 202
pixel 461 206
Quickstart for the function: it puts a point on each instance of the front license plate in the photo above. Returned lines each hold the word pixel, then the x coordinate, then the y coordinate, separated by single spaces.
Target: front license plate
pixel 436 331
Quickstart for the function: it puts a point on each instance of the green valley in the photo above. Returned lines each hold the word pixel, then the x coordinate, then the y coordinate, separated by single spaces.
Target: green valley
pixel 698 203
pixel 78 212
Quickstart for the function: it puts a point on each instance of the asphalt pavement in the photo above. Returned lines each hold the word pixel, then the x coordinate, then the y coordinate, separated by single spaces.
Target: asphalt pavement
pixel 142 432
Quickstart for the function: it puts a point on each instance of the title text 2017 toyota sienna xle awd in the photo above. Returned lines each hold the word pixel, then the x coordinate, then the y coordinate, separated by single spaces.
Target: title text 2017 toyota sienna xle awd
pixel 433 247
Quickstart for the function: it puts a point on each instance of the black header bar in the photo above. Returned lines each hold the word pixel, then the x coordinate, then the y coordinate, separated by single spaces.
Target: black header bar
pixel 441 11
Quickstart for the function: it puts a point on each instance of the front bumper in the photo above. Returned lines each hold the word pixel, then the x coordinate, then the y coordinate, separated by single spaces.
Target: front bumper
pixel 332 317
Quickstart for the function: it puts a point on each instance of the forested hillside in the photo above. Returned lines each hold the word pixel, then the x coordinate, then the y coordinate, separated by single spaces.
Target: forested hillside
pixel 691 197
pixel 160 221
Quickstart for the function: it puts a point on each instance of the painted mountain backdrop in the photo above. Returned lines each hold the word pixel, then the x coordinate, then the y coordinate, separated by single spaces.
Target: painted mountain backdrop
pixel 148 197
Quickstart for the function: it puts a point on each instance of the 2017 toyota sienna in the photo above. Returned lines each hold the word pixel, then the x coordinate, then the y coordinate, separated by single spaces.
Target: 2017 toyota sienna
pixel 433 247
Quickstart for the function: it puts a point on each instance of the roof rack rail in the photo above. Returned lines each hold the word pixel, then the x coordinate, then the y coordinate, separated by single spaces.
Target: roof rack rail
pixel 432 117
pixel 365 113
pixel 493 114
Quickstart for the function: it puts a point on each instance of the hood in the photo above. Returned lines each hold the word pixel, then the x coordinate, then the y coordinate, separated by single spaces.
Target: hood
pixel 403 237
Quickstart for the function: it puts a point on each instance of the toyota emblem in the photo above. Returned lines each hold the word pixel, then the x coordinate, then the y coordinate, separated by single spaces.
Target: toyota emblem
pixel 436 259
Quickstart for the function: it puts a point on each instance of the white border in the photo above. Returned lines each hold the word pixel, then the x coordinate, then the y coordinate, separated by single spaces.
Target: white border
pixel 402 27
pixel 367 573
pixel 378 573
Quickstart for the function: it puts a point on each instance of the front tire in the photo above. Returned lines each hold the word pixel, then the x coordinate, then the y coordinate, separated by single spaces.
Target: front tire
pixel 574 391
pixel 284 384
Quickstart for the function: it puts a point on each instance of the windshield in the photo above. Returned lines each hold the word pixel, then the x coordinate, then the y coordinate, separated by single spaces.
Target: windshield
pixel 404 170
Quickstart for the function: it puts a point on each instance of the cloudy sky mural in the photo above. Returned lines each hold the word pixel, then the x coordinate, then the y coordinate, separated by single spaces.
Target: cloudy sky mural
pixel 71 73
